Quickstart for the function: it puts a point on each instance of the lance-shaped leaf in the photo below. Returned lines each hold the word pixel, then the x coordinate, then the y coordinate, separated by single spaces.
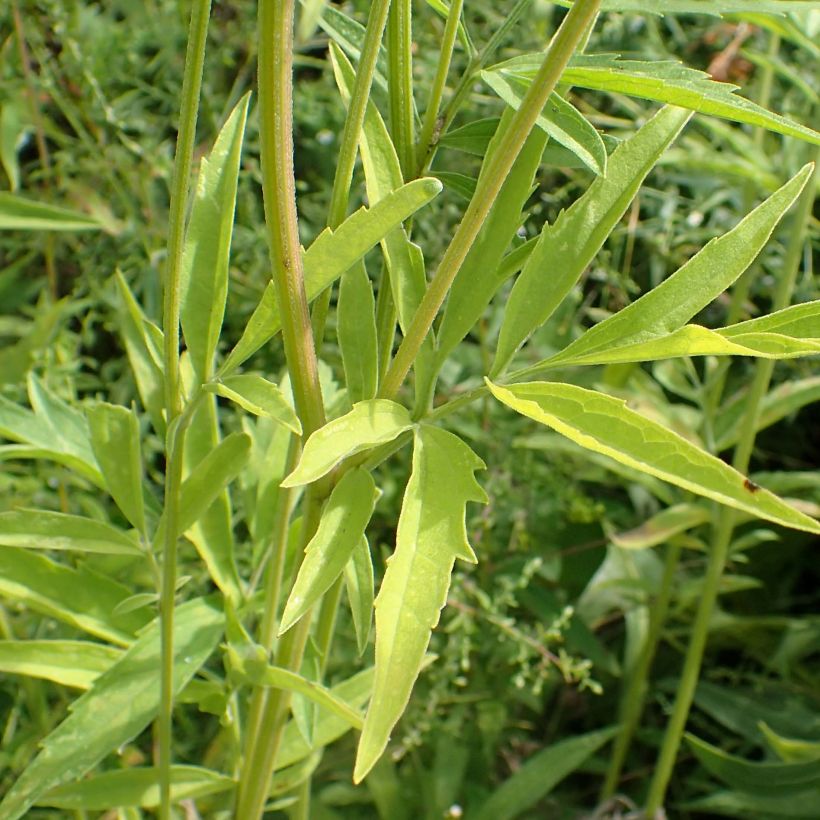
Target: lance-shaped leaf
pixel 204 271
pixel 360 592
pixel 798 321
pixel 356 328
pixel 47 530
pixel 431 535
pixel 20 214
pixel 115 440
pixel 565 248
pixel 660 528
pixel 606 425
pixel 341 528
pixel 69 663
pixel 663 81
pixel 367 425
pixel 120 704
pixel 332 253
pixel 258 396
pixel 559 119
pixel 704 277
pixel 715 7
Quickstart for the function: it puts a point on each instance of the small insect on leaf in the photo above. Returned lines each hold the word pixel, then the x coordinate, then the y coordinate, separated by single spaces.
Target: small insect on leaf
pixel 750 485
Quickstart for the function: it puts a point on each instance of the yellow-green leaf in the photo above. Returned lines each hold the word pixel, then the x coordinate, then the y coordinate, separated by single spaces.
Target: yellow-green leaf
pixel 258 396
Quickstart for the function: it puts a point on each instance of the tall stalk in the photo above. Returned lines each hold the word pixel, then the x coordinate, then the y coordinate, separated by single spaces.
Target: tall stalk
pixel 724 527
pixel 400 84
pixel 191 86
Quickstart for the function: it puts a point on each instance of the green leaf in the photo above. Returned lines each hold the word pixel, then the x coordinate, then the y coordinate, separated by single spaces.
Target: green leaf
pixel 45 530
pixel 78 597
pixel 559 119
pixel 20 214
pixel 663 526
pixel 460 184
pixel 341 528
pixel 120 704
pixel 431 535
pixel 798 804
pixel 540 774
pixel 605 425
pixel 789 749
pixel 478 278
pixel 472 138
pixel 115 440
pixel 662 81
pixel 566 248
pixel 367 425
pixel 258 396
pixel 714 7
pixel 356 328
pixel 798 321
pixel 204 270
pixel 704 277
pixel 331 254
pixel 135 787
pixel 349 34
pixel 360 591
pixel 12 137
pixel 69 663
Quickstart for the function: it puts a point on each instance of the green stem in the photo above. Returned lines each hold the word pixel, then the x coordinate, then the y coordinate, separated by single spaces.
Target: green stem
pixel 400 83
pixel 191 86
pixel 724 526
pixel 558 55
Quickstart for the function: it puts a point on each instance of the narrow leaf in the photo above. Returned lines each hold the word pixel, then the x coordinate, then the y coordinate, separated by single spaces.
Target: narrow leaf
pixel 605 425
pixel 68 663
pixel 20 214
pixel 356 328
pixel 367 425
pixel 431 535
pixel 360 591
pixel 663 526
pixel 258 396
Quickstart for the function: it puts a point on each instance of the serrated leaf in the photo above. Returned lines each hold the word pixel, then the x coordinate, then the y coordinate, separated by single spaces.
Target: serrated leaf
pixel 17 213
pixel 115 440
pixel 258 396
pixel 120 704
pixel 606 425
pixel 204 270
pixel 565 249
pixel 367 425
pixel 135 787
pixel 356 329
pixel 68 663
pixel 359 584
pixel 559 119
pixel 431 535
pixel 663 526
pixel 46 530
pixel 341 528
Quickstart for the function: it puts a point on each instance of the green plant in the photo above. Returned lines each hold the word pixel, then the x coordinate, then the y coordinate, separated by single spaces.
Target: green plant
pixel 304 455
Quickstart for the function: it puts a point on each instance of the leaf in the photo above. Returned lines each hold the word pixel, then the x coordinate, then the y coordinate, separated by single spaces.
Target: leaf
pixel 663 81
pixel 789 749
pixel 460 184
pixel 341 528
pixel 472 138
pixel 12 137
pixel 704 277
pixel 350 34
pixel 135 787
pixel 798 321
pixel 331 254
pixel 46 530
pixel 120 704
pixel 204 269
pixel 566 248
pixel 798 804
pixel 68 663
pixel 78 597
pixel 540 774
pixel 367 425
pixel 115 440
pixel 20 214
pixel 663 526
pixel 605 425
pixel 358 575
pixel 356 329
pixel 559 119
pixel 714 7
pixel 431 535
pixel 258 396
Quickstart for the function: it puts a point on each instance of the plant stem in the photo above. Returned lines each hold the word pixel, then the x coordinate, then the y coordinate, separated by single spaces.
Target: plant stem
pixel 724 526
pixel 400 83
pixel 189 105
pixel 561 49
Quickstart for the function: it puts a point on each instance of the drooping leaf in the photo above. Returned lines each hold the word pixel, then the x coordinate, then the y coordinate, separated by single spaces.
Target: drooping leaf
pixel 331 254
pixel 704 277
pixel 367 425
pixel 431 535
pixel 204 270
pixel 258 396
pixel 119 705
pixel 46 530
pixel 789 749
pixel 69 663
pixel 559 119
pixel 17 213
pixel 360 592
pixel 540 774
pixel 606 425
pixel 565 249
pixel 135 787
pixel 356 328
pixel 662 526
pixel 341 528
pixel 115 440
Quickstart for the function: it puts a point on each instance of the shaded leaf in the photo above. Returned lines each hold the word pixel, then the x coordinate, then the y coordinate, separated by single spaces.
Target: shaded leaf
pixel 360 591
pixel 663 526
pixel 18 213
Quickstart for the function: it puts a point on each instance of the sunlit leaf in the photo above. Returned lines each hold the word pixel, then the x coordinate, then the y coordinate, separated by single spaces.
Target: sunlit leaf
pixel 68 663
pixel 358 575
pixel 258 396
pixel 356 328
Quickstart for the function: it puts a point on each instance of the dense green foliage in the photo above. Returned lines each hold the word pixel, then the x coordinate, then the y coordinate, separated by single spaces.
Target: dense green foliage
pixel 606 303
